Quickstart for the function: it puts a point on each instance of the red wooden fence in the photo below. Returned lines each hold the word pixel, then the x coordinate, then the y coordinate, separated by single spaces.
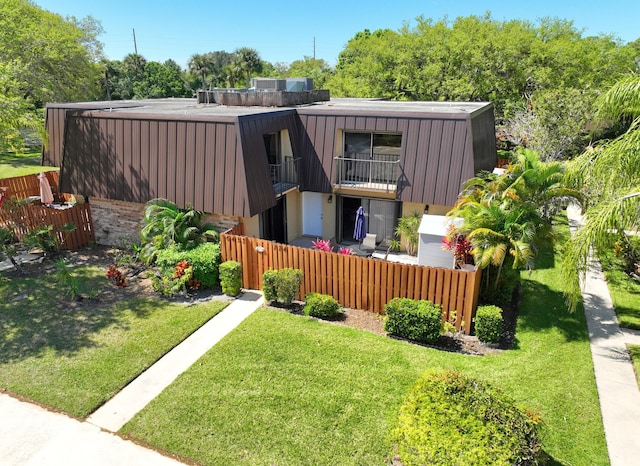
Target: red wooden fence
pixel 357 282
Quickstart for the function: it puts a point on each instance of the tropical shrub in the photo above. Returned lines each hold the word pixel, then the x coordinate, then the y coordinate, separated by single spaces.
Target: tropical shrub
pixel 407 229
pixel 448 418
pixel 166 224
pixel 204 258
pixel 415 320
pixel 322 245
pixel 488 323
pixel 231 277
pixel 44 238
pixel 322 305
pixel 180 279
pixel 281 286
pixel 66 280
pixel 506 218
pixel 6 236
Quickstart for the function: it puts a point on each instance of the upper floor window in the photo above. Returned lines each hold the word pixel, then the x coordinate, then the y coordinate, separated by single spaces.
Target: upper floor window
pixel 376 146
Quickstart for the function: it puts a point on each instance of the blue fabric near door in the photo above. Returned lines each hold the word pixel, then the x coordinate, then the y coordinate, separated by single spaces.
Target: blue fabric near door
pixel 360 230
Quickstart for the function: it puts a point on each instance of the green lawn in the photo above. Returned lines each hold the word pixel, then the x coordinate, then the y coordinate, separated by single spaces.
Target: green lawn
pixel 634 352
pixel 74 358
pixel 12 164
pixel 625 291
pixel 285 389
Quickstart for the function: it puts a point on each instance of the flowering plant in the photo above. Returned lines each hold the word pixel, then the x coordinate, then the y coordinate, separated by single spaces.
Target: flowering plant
pixel 345 251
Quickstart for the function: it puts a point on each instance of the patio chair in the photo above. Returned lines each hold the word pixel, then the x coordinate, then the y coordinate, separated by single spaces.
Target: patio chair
pixel 369 242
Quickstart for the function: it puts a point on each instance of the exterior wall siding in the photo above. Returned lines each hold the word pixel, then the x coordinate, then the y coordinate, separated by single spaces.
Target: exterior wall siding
pixel 124 158
pixel 437 153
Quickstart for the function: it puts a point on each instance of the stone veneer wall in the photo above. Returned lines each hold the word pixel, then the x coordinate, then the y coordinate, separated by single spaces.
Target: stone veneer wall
pixel 118 223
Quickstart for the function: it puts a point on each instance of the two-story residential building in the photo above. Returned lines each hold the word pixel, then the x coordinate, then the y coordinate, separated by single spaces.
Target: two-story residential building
pixel 283 172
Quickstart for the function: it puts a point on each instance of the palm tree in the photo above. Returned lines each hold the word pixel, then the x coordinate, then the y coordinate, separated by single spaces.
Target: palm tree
pixel 166 224
pixel 249 61
pixel 507 217
pixel 609 176
pixel 504 235
pixel 199 65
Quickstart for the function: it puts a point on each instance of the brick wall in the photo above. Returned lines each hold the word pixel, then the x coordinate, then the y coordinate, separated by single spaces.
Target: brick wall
pixel 118 223
pixel 222 222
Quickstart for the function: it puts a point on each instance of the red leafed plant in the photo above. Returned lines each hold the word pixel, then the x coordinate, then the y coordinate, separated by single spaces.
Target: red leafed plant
pixel 115 275
pixel 322 245
pixel 184 270
pixel 459 245
pixel 345 251
pixel 180 268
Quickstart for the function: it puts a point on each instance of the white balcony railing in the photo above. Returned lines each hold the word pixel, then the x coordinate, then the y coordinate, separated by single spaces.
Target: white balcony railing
pixel 361 171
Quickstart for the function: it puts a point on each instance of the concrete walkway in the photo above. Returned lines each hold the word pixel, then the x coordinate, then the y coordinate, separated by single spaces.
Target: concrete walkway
pixel 31 435
pixel 615 378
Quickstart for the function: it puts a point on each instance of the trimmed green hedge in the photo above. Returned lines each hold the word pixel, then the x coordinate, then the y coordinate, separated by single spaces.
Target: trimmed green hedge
pixel 488 321
pixel 281 286
pixel 322 305
pixel 415 320
pixel 205 259
pixel 448 418
pixel 231 277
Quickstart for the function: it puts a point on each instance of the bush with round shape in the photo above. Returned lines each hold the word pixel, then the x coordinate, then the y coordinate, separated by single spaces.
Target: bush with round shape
pixel 415 320
pixel 448 418
pixel 322 306
pixel 269 285
pixel 231 277
pixel 488 322
pixel 281 286
pixel 204 257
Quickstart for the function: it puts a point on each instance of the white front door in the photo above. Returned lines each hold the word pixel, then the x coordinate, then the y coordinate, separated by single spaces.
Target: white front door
pixel 312 214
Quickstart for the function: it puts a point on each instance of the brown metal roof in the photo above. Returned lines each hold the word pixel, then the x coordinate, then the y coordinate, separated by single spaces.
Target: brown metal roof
pixel 213 157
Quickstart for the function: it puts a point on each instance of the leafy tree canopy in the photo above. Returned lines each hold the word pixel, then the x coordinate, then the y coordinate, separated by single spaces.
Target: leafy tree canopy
pixel 514 64
pixel 54 58
pixel 43 58
pixel 609 176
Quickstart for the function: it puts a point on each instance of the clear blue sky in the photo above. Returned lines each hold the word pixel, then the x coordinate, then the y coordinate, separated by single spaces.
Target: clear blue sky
pixel 284 31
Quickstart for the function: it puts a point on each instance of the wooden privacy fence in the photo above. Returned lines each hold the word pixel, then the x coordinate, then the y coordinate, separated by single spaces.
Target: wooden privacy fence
pixel 21 187
pixel 357 282
pixel 22 218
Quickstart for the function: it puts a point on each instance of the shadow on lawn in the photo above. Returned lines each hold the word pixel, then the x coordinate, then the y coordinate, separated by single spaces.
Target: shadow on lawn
pixel 542 308
pixel 21 160
pixel 36 317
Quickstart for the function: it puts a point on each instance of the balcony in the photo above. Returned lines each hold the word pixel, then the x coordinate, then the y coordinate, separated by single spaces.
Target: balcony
pixel 284 176
pixel 361 171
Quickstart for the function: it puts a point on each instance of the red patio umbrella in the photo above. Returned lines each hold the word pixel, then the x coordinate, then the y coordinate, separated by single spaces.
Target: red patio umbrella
pixel 46 196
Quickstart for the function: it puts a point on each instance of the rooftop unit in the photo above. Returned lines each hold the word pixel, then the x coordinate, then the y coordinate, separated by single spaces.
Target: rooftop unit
pixel 268 84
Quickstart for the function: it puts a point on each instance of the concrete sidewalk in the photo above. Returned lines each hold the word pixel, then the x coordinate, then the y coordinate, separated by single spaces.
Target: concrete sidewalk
pixel 31 435
pixel 615 378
